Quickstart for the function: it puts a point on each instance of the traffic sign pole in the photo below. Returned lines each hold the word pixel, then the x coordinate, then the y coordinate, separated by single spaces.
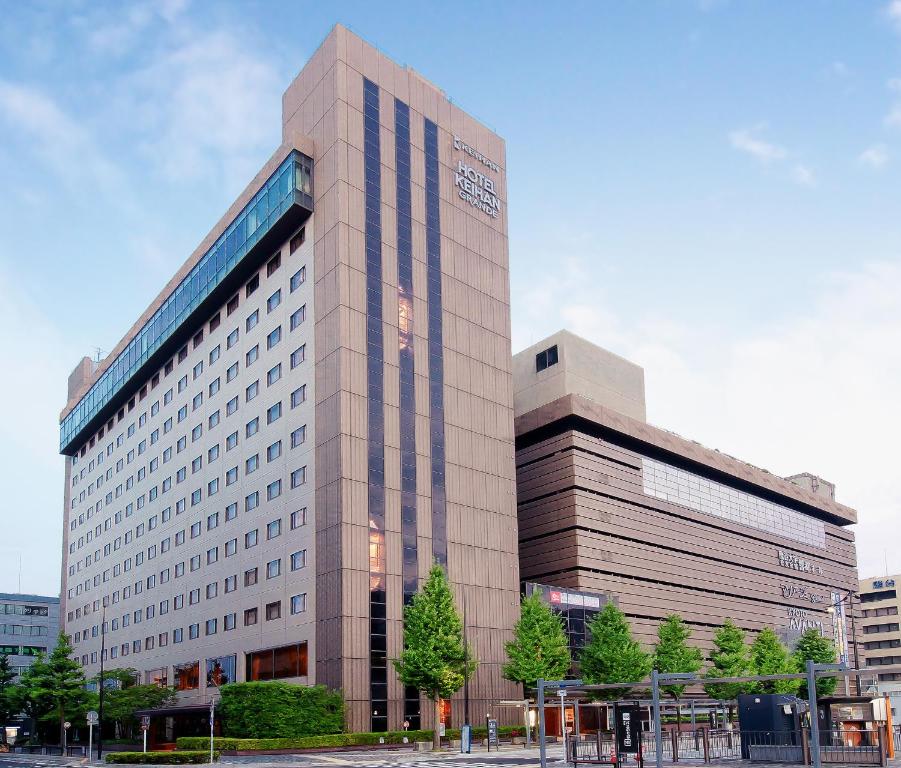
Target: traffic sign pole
pixel 92 719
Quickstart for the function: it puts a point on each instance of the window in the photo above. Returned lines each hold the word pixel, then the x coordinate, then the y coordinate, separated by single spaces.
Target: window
pixel 252 426
pixel 182 385
pixel 252 355
pixel 212 590
pixel 274 412
pixel 298 560
pixel 214 386
pixel 273 568
pixel 298 518
pixel 273 610
pixel 231 372
pixel 194 631
pixel 298 603
pixel 212 454
pixel 274 263
pixel 187 676
pixel 274 337
pixel 252 390
pixel 214 322
pixel 297 241
pixel 250 618
pixel 299 436
pixel 251 538
pixel 198 369
pixel 252 285
pixel 231 441
pixel 274 529
pixel 298 477
pixel 277 663
pixel 214 419
pixel 231 476
pixel 273 490
pixel 546 359
pixel 298 317
pixel 228 622
pixel 299 395
pixel 274 374
pixel 298 278
pixel 252 320
pixel 231 583
pixel 274 300
pixel 231 547
pixel 250 577
pixel 231 511
pixel 214 354
pixel 232 406
pixel 210 626
pixel 274 451
pixel 251 464
pixel 231 339
pixel 298 355
pixel 232 305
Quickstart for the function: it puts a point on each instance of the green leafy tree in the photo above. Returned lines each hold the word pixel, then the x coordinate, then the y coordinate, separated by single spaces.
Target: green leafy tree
pixel 770 657
pixel 433 660
pixel 539 648
pixel 730 657
pixel 127 696
pixel 673 654
pixel 54 687
pixel 612 655
pixel 8 691
pixel 812 646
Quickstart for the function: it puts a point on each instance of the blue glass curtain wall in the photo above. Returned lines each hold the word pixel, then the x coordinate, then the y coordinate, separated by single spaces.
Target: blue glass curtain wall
pixel 289 184
pixel 378 646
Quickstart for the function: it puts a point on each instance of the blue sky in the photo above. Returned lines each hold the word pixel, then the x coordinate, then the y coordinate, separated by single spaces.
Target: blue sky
pixel 710 188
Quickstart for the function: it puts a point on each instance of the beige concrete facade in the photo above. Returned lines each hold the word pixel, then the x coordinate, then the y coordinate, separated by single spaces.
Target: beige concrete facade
pixel 878 603
pixel 323 118
pixel 611 505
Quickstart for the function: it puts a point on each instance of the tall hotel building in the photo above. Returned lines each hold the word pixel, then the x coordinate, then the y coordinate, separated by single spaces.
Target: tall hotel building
pixel 317 407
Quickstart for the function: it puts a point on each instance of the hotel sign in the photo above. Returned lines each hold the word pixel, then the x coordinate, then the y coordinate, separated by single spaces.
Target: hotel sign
pixel 472 185
pixel 800 592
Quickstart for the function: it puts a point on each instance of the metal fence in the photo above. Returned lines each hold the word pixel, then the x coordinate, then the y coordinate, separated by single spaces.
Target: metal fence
pixel 859 747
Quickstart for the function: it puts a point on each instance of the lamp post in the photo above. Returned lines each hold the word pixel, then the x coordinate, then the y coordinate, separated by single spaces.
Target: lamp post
pixel 102 685
pixel 849 597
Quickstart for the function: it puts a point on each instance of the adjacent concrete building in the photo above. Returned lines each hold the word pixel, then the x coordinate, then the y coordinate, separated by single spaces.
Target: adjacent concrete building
pixel 880 646
pixel 29 625
pixel 316 408
pixel 613 508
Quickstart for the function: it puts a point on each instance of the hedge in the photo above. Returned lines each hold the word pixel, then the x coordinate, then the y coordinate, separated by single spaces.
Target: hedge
pixel 162 758
pixel 227 744
pixel 280 710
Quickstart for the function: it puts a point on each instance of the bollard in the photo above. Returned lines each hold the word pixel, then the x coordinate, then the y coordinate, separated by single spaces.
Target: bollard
pixel 706 743
pixel 675 739
pixel 883 747
pixel 805 745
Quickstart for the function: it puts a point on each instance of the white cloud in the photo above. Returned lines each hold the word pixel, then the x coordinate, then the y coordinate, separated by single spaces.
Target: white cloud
pixel 116 34
pixel 893 11
pixel 874 156
pixel 839 68
pixel 803 176
pixel 817 393
pixel 746 140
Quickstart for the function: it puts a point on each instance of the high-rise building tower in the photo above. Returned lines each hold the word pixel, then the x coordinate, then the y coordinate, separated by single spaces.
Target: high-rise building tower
pixel 316 408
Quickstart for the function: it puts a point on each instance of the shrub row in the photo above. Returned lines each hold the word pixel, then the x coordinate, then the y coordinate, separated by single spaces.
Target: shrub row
pixel 335 740
pixel 162 758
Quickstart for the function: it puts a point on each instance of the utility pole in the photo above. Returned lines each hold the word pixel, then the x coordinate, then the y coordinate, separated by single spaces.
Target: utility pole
pixel 466 664
pixel 854 639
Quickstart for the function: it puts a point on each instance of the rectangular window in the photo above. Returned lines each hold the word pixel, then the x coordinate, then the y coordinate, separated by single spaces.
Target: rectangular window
pixel 298 477
pixel 273 490
pixel 214 354
pixel 274 413
pixel 231 372
pixel 231 339
pixel 252 320
pixel 252 285
pixel 273 569
pixel 274 300
pixel 298 560
pixel 251 538
pixel 546 359
pixel 277 663
pixel 298 603
pixel 252 426
pixel 274 263
pixel 252 355
pixel 298 518
pixel 252 391
pixel 231 511
pixel 274 451
pixel 298 317
pixel 298 355
pixel 299 436
pixel 298 278
pixel 250 577
pixel 299 395
pixel 274 337
pixel 251 464
pixel 296 241
pixel 250 618
pixel 273 611
pixel 274 529
pixel 274 374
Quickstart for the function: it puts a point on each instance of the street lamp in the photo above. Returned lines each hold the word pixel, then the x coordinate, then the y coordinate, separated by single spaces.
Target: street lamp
pixel 831 609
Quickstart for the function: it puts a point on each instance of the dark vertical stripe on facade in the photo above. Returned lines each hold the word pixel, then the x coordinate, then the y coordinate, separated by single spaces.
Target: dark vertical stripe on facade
pixel 436 344
pixel 378 661
pixel 406 365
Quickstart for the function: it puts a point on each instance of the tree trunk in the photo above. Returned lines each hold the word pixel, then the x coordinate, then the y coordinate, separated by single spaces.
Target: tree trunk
pixel 436 733
pixel 678 715
pixel 62 726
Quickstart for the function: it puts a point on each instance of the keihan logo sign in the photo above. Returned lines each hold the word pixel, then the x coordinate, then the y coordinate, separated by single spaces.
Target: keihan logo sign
pixel 472 185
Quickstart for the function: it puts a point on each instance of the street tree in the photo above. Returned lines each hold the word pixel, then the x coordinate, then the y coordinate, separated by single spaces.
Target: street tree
pixel 127 696
pixel 434 660
pixel 539 648
pixel 54 687
pixel 673 654
pixel 730 657
pixel 612 655
pixel 770 657
pixel 812 646
pixel 8 698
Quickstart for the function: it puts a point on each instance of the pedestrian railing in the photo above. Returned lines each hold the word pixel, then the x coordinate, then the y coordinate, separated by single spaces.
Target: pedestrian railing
pixel 853 747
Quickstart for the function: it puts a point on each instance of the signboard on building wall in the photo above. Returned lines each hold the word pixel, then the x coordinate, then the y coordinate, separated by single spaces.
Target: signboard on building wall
pixel 472 183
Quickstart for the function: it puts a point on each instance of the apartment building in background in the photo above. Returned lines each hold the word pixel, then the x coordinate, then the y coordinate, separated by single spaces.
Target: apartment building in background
pixel 29 625
pixel 614 508
pixel 316 408
pixel 880 643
